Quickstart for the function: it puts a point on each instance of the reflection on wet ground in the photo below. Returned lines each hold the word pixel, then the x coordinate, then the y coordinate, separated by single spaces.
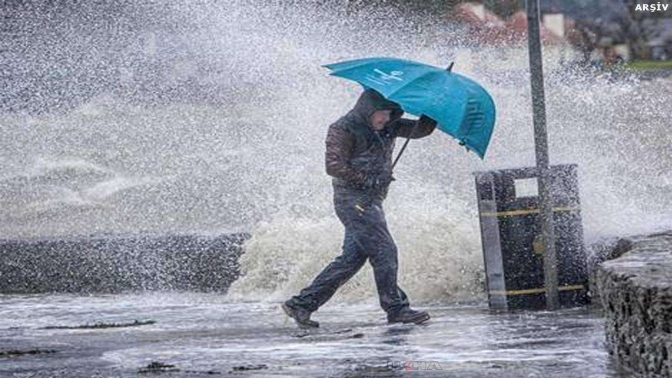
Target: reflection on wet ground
pixel 196 334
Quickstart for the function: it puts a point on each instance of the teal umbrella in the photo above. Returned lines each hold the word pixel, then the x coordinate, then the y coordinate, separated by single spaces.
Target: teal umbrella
pixel 461 107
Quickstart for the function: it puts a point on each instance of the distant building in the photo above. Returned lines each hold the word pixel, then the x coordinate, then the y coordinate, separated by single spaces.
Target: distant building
pixel 660 47
pixel 491 33
pixel 490 29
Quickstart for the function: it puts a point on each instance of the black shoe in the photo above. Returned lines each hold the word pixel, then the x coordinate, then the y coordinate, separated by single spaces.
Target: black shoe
pixel 406 315
pixel 300 316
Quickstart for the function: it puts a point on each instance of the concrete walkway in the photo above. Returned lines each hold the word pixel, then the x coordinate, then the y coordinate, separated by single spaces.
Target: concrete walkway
pixel 196 335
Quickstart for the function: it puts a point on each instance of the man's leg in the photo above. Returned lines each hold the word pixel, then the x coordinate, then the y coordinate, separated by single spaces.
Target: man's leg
pixel 333 276
pixel 382 252
pixel 383 258
pixel 336 273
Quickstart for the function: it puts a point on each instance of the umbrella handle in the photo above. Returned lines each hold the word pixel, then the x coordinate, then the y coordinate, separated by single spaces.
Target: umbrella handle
pixel 401 152
pixel 415 127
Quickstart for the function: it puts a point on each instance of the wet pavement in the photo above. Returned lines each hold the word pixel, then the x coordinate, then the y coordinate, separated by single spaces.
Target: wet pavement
pixel 195 335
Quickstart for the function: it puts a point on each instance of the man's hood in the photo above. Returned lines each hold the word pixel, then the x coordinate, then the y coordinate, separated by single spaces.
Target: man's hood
pixel 369 102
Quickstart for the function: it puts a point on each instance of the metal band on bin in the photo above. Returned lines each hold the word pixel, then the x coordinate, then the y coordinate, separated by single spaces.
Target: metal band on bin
pixel 536 291
pixel 529 211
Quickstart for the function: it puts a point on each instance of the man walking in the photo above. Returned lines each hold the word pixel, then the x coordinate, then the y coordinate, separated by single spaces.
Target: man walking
pixel 359 158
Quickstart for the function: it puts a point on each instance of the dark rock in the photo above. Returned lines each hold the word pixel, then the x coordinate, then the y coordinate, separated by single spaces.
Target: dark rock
pixel 136 323
pixel 250 367
pixel 158 367
pixel 16 353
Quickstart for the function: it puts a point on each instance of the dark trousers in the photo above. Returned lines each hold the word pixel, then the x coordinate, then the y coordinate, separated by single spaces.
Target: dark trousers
pixel 366 237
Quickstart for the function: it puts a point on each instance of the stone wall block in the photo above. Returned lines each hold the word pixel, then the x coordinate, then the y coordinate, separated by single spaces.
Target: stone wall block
pixel 635 292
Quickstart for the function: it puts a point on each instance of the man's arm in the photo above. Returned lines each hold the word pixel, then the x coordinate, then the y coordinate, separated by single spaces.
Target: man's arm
pixel 403 128
pixel 340 145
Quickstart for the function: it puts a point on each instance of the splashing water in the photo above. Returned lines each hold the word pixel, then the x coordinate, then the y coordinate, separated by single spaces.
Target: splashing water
pixel 212 118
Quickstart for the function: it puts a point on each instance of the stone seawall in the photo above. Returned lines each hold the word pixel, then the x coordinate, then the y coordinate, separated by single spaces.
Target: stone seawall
pixel 635 291
pixel 119 263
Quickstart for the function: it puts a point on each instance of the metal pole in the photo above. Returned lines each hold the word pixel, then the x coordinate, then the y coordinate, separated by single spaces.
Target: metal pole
pixel 541 151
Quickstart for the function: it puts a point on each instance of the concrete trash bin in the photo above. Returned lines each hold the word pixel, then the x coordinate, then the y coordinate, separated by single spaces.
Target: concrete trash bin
pixel 508 208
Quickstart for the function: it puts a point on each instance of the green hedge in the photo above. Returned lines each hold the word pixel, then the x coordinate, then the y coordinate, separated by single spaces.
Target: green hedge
pixel 649 64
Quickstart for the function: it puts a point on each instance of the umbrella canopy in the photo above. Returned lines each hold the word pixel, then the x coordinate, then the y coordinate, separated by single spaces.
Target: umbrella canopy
pixel 459 105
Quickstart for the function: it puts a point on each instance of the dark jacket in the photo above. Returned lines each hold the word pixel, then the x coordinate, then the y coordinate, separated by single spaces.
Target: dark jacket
pixel 356 151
